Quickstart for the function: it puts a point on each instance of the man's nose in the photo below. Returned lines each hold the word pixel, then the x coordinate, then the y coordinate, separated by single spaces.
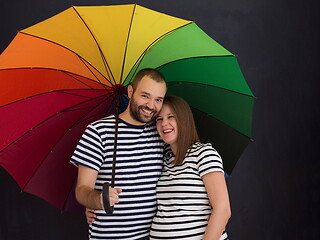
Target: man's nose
pixel 150 104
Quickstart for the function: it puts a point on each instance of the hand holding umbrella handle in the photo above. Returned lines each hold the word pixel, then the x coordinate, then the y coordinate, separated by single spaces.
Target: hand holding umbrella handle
pixel 105 198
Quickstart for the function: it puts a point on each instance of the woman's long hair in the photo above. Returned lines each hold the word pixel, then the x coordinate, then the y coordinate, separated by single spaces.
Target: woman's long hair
pixel 187 132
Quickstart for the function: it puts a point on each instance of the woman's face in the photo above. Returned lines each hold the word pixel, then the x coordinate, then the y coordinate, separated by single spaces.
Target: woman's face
pixel 167 126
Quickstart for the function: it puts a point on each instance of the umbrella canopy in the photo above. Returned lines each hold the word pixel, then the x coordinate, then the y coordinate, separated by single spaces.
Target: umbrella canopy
pixel 65 72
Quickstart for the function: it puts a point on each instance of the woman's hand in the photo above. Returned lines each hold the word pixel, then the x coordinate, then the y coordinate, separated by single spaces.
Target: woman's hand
pixel 90 216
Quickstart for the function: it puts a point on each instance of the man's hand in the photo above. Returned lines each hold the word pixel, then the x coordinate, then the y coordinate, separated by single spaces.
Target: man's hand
pixel 114 195
pixel 113 198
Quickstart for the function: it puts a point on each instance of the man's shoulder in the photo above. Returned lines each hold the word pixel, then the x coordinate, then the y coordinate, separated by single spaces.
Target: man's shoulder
pixel 105 121
pixel 108 123
pixel 151 125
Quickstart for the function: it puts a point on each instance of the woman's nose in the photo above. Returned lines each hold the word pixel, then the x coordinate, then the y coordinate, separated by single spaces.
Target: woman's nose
pixel 164 122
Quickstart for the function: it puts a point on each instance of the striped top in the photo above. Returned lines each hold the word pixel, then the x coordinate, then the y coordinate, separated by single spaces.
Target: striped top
pixel 138 168
pixel 183 203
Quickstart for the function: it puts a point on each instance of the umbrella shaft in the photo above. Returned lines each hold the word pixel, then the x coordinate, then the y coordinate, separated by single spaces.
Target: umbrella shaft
pixel 115 143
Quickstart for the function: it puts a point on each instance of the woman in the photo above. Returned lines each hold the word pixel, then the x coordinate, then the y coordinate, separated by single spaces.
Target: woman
pixel 192 196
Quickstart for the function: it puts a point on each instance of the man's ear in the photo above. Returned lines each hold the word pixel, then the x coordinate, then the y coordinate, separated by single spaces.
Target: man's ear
pixel 130 91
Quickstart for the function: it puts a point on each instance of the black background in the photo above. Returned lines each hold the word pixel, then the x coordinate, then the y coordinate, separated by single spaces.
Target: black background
pixel 274 188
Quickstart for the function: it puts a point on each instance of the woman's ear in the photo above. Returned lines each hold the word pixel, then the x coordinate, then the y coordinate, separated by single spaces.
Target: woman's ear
pixel 130 91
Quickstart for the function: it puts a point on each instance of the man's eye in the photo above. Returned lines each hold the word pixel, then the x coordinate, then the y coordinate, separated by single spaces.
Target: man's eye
pixel 159 100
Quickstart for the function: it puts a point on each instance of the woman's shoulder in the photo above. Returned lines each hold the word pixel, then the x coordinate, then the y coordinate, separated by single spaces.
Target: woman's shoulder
pixel 198 146
pixel 208 159
pixel 203 149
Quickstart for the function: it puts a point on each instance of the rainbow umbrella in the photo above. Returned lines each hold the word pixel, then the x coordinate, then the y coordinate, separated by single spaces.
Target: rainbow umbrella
pixel 61 74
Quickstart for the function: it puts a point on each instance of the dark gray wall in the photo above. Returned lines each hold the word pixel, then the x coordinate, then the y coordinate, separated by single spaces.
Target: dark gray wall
pixel 274 188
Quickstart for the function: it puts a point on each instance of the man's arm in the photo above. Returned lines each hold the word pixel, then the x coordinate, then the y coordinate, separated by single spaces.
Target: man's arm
pixel 85 193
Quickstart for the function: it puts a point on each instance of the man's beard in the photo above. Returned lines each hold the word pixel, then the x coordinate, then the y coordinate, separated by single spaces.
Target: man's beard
pixel 136 114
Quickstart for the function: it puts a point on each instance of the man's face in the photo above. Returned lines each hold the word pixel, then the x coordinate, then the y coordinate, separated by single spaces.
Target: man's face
pixel 146 101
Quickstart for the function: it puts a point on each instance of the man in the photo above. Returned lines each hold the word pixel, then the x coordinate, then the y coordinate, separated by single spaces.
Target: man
pixel 139 163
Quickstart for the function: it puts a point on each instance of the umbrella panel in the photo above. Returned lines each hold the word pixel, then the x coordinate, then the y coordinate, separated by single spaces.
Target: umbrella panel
pixel 31 52
pixel 35 110
pixel 19 84
pixel 229 143
pixel 56 163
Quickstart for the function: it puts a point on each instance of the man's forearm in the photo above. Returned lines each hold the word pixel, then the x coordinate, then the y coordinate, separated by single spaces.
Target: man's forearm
pixel 89 198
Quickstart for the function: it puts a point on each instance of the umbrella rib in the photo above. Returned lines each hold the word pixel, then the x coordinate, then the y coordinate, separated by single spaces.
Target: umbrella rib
pixel 148 47
pixel 39 94
pixel 64 48
pixel 65 110
pixel 107 98
pixel 73 94
pixel 105 62
pixel 53 69
pixel 183 59
pixel 126 48
pixel 67 73
pixel 180 82
pixel 61 90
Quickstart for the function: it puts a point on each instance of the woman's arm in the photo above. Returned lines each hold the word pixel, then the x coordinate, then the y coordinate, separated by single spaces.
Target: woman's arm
pixel 90 215
pixel 219 199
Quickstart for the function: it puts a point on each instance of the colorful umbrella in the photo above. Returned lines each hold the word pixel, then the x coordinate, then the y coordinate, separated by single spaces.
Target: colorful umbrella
pixel 65 72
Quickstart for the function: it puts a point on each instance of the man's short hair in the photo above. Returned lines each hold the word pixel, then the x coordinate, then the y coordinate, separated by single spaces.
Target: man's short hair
pixel 150 72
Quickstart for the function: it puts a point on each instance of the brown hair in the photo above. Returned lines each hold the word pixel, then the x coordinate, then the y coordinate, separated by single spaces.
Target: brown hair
pixel 152 73
pixel 187 132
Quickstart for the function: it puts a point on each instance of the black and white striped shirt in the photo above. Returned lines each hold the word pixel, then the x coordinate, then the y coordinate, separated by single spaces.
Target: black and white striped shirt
pixel 138 168
pixel 183 204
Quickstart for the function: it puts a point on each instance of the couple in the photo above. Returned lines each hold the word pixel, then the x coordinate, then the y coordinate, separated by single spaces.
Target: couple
pixel 171 190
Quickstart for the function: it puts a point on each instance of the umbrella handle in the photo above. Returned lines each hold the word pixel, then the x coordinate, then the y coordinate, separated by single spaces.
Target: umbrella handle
pixel 105 198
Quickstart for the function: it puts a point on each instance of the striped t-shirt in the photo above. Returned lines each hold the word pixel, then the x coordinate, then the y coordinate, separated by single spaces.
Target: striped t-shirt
pixel 183 204
pixel 138 168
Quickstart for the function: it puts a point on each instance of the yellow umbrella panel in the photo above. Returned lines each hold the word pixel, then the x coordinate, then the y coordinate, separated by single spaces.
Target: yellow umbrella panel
pixel 110 38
